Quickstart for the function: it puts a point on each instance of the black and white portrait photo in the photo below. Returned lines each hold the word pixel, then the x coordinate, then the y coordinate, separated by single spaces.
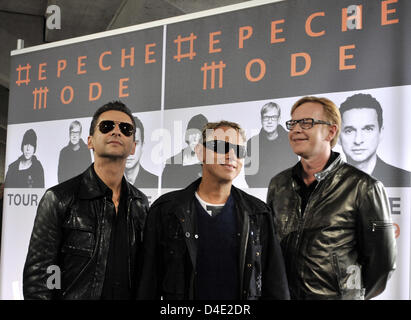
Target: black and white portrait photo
pixel 269 152
pixel 75 157
pixel 361 133
pixel 26 171
pixel 134 172
pixel 184 167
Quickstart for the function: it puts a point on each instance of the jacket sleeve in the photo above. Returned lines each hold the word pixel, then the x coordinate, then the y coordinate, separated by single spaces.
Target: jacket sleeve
pixel 149 283
pixel 274 278
pixel 43 249
pixel 377 244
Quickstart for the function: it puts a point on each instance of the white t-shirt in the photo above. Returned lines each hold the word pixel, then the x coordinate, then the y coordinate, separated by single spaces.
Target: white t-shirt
pixel 211 208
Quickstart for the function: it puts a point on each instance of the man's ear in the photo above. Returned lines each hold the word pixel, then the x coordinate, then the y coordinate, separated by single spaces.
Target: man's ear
pixel 381 135
pixel 90 143
pixel 332 131
pixel 199 152
pixel 133 148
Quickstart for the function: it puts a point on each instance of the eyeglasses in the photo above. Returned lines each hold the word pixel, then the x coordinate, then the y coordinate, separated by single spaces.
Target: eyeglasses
pixel 106 126
pixel 306 123
pixel 272 118
pixel 223 147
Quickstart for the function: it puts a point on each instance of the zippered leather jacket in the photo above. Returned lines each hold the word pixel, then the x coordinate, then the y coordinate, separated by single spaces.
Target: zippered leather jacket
pixel 72 231
pixel 170 248
pixel 343 245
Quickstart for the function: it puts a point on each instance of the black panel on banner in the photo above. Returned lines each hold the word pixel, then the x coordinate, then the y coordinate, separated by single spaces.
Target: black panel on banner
pixel 72 81
pixel 290 48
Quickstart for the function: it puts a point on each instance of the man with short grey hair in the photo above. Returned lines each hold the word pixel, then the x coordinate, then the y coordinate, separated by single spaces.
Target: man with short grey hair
pixel 75 157
pixel 268 153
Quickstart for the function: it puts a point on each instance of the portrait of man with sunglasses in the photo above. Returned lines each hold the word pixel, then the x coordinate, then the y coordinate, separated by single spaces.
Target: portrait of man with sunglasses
pixel 212 241
pixel 334 221
pixel 88 229
pixel 269 152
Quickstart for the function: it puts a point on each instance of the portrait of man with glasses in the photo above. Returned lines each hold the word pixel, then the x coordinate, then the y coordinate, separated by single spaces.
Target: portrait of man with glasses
pixel 75 157
pixel 89 228
pixel 211 240
pixel 268 153
pixel 334 221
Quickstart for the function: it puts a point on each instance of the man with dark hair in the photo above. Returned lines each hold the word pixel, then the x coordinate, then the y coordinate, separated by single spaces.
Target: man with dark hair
pixel 212 241
pixel 361 133
pixel 135 173
pixel 88 229
pixel 26 171
pixel 269 152
pixel 184 167
pixel 75 157
pixel 334 221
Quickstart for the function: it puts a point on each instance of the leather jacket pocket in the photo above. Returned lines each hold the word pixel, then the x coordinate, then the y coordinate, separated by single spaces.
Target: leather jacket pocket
pixel 337 272
pixel 79 238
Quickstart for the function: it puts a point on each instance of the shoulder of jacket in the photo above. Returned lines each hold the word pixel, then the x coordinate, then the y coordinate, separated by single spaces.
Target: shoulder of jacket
pixel 169 197
pixel 251 201
pixel 138 193
pixel 66 188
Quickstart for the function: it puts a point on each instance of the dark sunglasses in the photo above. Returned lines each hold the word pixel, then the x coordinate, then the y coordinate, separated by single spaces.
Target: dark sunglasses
pixel 223 147
pixel 106 126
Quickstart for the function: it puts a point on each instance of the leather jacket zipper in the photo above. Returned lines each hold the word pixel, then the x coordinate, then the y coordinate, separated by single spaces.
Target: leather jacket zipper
pixel 378 225
pixel 128 242
pixel 92 257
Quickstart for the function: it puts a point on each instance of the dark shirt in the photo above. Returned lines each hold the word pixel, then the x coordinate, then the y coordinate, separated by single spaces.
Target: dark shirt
pixel 305 191
pixel 217 256
pixel 116 282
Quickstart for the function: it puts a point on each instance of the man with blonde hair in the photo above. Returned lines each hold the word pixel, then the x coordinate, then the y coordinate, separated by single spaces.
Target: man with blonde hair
pixel 212 241
pixel 333 220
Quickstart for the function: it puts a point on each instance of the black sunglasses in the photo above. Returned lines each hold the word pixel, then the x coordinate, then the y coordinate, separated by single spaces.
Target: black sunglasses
pixel 106 126
pixel 223 147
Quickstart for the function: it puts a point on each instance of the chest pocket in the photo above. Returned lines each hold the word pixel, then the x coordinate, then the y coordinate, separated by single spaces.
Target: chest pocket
pixel 79 236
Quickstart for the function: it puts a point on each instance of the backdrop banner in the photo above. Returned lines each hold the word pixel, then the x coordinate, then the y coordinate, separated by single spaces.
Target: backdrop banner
pixel 247 65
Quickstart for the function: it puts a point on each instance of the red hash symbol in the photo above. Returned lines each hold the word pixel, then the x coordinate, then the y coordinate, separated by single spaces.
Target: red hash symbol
pixel 213 68
pixel 191 54
pixel 19 69
pixel 40 98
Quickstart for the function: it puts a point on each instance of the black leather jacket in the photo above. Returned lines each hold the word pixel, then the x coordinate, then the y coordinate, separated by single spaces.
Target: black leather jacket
pixel 343 245
pixel 72 231
pixel 170 248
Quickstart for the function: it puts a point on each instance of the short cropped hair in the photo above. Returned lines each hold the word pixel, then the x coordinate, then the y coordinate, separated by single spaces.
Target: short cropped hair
pixel 270 105
pixel 331 112
pixel 363 101
pixel 115 105
pixel 75 123
pixel 223 123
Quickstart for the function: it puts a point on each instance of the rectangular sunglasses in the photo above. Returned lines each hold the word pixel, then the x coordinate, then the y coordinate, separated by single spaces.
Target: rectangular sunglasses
pixel 106 126
pixel 223 147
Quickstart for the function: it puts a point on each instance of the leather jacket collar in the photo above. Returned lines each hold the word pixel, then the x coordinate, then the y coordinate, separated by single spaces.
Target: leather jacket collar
pixel 90 189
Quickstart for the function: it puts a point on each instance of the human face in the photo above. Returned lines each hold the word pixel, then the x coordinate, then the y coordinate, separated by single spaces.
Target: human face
pixel 113 144
pixel 221 167
pixel 314 142
pixel 269 121
pixel 28 151
pixel 360 134
pixel 134 159
pixel 193 138
pixel 75 135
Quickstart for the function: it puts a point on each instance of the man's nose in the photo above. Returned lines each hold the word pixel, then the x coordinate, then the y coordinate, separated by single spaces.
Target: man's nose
pixel 358 137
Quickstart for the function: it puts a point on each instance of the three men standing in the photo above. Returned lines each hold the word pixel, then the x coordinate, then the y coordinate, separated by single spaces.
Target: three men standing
pixel 333 220
pixel 90 227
